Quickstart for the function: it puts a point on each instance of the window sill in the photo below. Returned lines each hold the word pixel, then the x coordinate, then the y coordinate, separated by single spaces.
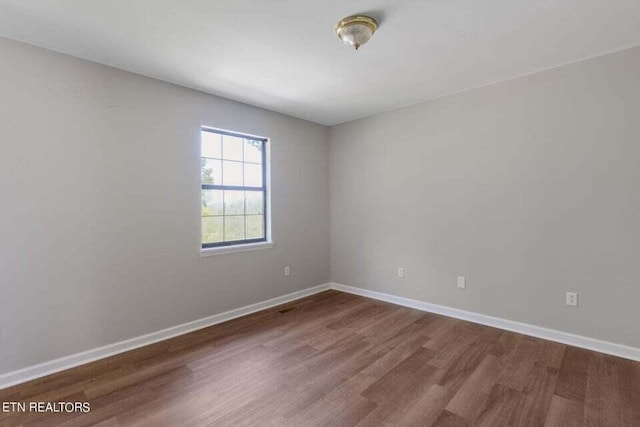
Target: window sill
pixel 205 252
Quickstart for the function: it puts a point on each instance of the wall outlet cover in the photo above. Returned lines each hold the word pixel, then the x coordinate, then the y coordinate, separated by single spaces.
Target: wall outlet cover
pixel 572 299
pixel 462 282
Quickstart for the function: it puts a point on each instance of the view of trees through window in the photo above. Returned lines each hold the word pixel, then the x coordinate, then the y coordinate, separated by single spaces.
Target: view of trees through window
pixel 233 188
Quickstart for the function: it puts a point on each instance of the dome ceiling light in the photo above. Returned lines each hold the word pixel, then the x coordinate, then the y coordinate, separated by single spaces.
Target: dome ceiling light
pixel 356 30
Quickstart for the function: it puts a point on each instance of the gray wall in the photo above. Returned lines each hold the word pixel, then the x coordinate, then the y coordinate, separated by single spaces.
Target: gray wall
pixel 99 218
pixel 529 188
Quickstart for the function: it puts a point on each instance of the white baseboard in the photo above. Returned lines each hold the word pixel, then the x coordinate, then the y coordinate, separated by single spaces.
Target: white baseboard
pixel 37 371
pixel 496 322
pixel 43 369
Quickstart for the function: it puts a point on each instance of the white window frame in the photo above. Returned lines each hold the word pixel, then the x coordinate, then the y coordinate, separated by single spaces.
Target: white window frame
pixel 242 247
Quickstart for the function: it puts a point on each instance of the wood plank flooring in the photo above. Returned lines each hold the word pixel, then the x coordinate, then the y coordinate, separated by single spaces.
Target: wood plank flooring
pixel 335 359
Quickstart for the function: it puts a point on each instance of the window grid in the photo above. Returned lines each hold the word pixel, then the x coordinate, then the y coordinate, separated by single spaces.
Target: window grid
pixel 225 188
pixel 234 161
pixel 244 194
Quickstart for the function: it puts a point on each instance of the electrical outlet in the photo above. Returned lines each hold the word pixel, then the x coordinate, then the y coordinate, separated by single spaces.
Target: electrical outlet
pixel 462 282
pixel 572 299
pixel 287 270
pixel 400 272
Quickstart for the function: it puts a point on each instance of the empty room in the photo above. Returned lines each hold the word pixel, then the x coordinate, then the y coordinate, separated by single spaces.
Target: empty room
pixel 304 213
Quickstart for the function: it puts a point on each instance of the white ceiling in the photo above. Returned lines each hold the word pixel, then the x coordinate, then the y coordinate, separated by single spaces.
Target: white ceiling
pixel 283 54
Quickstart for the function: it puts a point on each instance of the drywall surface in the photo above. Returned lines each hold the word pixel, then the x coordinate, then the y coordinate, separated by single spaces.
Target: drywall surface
pixel 100 196
pixel 529 188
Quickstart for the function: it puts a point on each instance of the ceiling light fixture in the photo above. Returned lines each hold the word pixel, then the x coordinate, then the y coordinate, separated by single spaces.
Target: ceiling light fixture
pixel 356 30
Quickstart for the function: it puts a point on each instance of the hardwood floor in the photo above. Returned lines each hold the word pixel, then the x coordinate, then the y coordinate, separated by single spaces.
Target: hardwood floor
pixel 343 360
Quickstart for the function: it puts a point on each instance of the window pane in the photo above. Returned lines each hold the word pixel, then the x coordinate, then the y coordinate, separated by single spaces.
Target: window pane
pixel 233 228
pixel 211 145
pixel 232 173
pixel 255 202
pixel 253 151
pixel 230 215
pixel 212 202
pixel 252 175
pixel 232 148
pixel 255 226
pixel 212 229
pixel 233 202
pixel 211 171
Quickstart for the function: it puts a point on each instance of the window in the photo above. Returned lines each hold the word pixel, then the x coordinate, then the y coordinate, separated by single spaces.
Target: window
pixel 234 189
